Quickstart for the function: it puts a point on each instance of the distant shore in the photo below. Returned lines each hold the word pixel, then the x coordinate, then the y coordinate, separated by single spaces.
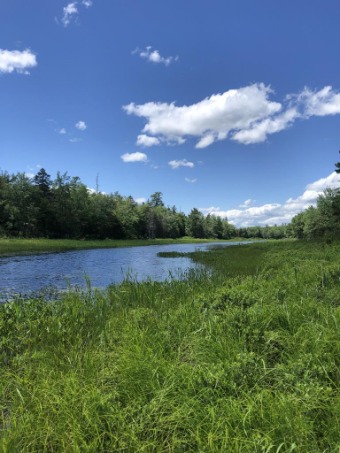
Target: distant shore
pixel 14 246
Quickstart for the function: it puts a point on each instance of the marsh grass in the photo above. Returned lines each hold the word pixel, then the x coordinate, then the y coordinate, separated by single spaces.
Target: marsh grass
pixel 243 358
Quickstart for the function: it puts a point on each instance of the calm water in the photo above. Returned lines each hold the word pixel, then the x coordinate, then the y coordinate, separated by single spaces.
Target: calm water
pixel 34 273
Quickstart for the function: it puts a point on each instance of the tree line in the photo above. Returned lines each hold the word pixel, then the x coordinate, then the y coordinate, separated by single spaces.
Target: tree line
pixel 64 207
pixel 321 221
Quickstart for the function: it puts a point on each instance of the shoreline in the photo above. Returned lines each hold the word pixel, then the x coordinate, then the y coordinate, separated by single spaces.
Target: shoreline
pixel 18 247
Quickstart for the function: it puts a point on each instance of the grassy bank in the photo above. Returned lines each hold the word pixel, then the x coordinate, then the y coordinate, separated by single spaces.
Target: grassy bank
pixel 28 246
pixel 245 360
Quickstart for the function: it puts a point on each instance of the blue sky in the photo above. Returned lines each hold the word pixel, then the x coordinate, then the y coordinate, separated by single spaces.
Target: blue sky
pixel 230 107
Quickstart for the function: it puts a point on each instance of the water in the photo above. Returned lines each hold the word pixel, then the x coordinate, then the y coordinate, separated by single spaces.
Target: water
pixel 34 273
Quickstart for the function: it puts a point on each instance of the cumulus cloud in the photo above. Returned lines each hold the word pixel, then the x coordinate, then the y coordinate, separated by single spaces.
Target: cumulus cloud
pixel 81 125
pixel 145 140
pixel 205 141
pixel 276 213
pixel 246 115
pixel 17 61
pixel 153 56
pixel 134 157
pixel 247 203
pixel 180 163
pixel 318 103
pixel 331 181
pixel 62 131
pixel 209 120
pixel 259 131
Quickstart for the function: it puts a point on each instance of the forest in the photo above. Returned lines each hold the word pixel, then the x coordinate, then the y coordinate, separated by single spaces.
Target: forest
pixel 64 208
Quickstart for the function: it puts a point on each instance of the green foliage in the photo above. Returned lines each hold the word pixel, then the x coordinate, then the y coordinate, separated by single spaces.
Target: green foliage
pixel 321 222
pixel 241 358
pixel 195 224
pixel 64 208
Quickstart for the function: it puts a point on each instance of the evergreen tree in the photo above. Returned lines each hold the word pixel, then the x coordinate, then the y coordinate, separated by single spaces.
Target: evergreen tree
pixel 44 203
pixel 195 224
pixel 337 166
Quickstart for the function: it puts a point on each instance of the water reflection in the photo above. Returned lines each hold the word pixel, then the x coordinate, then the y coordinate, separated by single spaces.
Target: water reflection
pixel 24 274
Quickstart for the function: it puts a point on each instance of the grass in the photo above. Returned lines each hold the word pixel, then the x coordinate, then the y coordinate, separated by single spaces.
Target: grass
pixel 13 246
pixel 243 358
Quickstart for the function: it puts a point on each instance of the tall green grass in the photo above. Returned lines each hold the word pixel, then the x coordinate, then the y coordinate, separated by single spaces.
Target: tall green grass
pixel 243 357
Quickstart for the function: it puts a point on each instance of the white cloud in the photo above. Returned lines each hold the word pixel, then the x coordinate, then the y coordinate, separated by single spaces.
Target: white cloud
pixel 331 181
pixel 145 140
pixel 31 171
pixel 210 210
pixel 276 213
pixel 153 56
pixel 81 125
pixel 92 191
pixel 205 141
pixel 75 140
pixel 62 131
pixel 246 115
pixel 318 103
pixel 87 3
pixel 70 12
pixel 180 163
pixel 134 157
pixel 259 131
pixel 17 61
pixel 247 203
pixel 209 120
pixel 140 200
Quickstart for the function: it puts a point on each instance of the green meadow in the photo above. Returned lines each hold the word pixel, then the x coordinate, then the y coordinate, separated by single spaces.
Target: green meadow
pixel 241 357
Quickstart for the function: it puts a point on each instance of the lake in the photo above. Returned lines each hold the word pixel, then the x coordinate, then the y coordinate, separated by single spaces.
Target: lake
pixel 34 273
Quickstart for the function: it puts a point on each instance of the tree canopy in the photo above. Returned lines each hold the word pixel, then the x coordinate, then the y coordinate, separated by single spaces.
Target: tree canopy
pixel 64 207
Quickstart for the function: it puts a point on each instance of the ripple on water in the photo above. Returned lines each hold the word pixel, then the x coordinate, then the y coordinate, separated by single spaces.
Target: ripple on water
pixel 32 274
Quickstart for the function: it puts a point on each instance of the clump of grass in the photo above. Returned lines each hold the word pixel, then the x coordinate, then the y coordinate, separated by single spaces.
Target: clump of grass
pixel 242 259
pixel 244 357
pixel 173 254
